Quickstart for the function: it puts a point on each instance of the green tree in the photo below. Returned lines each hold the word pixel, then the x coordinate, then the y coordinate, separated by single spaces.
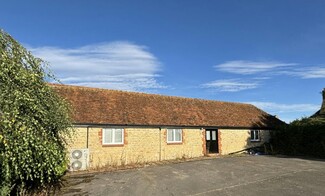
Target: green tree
pixel 34 122
pixel 305 136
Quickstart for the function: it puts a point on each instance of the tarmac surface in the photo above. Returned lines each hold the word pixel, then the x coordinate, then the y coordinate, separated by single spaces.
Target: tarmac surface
pixel 247 175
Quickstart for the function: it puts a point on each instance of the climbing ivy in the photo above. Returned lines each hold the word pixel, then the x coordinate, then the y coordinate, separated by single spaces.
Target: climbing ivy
pixel 34 122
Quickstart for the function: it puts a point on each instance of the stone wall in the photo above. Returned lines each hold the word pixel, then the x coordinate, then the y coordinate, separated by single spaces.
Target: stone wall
pixel 231 140
pixel 140 145
pixel 191 146
pixel 143 145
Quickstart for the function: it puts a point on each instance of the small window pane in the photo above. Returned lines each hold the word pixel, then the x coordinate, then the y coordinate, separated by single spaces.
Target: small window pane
pixel 252 135
pixel 174 135
pixel 170 135
pixel 178 135
pixel 255 135
pixel 207 135
pixel 113 136
pixel 214 135
pixel 118 135
pixel 108 136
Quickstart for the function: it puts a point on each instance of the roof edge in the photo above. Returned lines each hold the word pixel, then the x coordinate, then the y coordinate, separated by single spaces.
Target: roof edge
pixel 163 126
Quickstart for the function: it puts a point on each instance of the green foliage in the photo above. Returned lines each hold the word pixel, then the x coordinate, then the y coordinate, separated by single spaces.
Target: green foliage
pixel 33 122
pixel 302 137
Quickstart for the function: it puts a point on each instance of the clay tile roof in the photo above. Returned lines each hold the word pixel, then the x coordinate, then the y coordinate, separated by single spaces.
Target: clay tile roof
pixel 103 106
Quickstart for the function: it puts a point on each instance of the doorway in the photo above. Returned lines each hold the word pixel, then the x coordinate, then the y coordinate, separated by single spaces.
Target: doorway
pixel 211 138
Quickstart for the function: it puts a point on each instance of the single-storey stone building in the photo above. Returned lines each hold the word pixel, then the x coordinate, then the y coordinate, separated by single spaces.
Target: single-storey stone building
pixel 118 127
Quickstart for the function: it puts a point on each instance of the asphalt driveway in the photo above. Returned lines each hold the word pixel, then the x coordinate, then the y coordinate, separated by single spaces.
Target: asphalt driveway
pixel 248 175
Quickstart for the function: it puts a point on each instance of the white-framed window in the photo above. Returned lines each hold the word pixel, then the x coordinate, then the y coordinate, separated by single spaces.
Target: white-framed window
pixel 207 135
pixel 255 135
pixel 174 135
pixel 113 136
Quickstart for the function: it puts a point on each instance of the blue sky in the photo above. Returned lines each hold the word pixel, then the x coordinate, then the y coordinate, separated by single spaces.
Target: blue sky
pixel 270 53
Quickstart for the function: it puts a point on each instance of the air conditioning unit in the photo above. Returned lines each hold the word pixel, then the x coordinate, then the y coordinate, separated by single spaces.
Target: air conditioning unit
pixel 79 159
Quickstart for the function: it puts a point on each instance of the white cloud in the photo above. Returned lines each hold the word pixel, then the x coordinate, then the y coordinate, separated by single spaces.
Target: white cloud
pixel 308 73
pixel 232 85
pixel 117 65
pixel 285 108
pixel 261 70
pixel 262 78
pixel 251 67
pixel 287 112
pixel 267 68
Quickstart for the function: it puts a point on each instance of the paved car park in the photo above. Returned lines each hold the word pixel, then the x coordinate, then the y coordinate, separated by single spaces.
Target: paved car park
pixel 246 175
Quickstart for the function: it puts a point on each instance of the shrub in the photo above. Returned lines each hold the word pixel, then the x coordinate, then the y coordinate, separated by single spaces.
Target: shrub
pixel 302 137
pixel 33 122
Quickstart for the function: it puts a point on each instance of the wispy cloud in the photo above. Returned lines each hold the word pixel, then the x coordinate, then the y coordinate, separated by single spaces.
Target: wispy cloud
pixel 287 112
pixel 308 73
pixel 117 65
pixel 259 71
pixel 285 108
pixel 251 67
pixel 232 85
pixel 271 68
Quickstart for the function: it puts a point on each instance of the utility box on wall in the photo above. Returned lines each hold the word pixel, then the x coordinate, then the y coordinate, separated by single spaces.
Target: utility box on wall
pixel 79 159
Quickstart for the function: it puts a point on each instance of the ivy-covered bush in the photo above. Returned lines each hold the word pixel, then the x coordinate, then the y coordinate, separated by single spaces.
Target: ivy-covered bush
pixel 302 137
pixel 33 122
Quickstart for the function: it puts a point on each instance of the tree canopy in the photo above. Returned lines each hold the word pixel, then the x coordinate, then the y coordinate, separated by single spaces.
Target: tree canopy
pixel 34 122
pixel 305 136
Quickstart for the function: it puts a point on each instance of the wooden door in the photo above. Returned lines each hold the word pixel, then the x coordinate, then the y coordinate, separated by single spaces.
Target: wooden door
pixel 211 137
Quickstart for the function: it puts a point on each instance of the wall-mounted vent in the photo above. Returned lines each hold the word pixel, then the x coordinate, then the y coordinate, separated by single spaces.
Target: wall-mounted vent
pixel 79 159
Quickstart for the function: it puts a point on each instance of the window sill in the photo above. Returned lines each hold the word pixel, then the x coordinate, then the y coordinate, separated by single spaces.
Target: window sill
pixel 112 145
pixel 256 141
pixel 174 143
